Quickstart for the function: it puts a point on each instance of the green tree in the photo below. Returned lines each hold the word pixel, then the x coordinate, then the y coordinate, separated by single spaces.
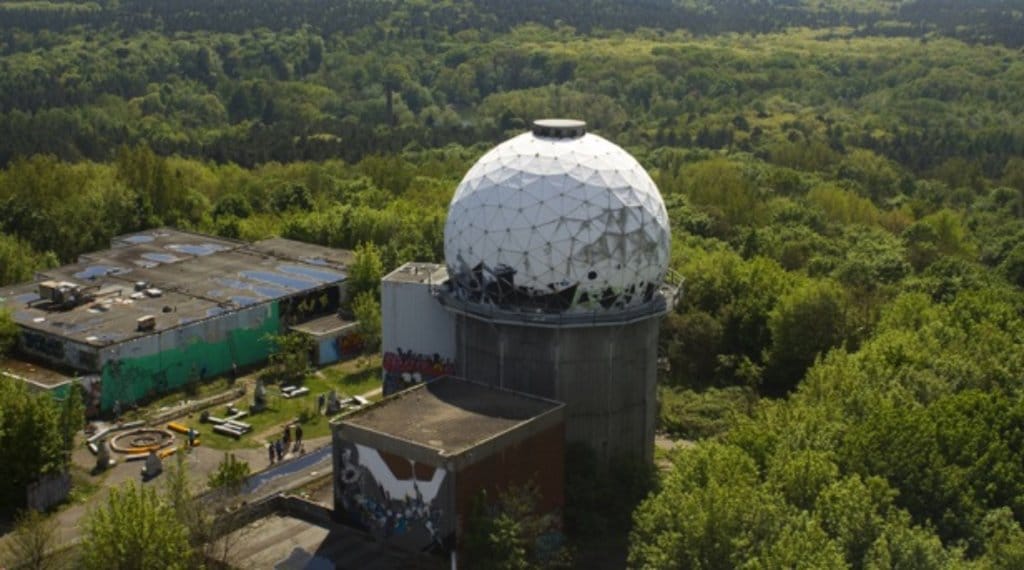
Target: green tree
pixel 1004 540
pixel 9 332
pixel 855 512
pixel 806 322
pixel 231 473
pixel 801 475
pixel 365 273
pixel 158 192
pixel 692 342
pixel 802 544
pixel 740 294
pixel 511 534
pixel 394 78
pixel 877 175
pixel 290 361
pixel 721 187
pixel 1012 266
pixel 72 415
pixel 366 310
pixel 1013 176
pixel 31 441
pixel 135 529
pixel 19 262
pixel 33 542
pixel 711 512
pixel 211 526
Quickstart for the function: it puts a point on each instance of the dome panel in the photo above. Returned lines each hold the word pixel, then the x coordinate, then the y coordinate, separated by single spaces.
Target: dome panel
pixel 571 218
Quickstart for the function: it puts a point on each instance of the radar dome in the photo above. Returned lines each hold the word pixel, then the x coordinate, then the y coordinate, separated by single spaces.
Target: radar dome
pixel 560 220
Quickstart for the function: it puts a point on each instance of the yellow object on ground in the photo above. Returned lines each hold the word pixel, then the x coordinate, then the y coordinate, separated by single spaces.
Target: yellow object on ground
pixel 166 452
pixel 180 428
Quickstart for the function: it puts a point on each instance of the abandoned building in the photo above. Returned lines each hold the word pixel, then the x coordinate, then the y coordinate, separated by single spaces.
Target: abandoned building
pixel 164 307
pixel 410 468
pixel 554 284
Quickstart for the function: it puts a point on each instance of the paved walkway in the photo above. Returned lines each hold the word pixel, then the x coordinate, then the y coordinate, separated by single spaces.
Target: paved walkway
pixel 201 461
pixel 293 472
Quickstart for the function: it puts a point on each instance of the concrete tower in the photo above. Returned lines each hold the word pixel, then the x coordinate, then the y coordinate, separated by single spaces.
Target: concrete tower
pixel 557 246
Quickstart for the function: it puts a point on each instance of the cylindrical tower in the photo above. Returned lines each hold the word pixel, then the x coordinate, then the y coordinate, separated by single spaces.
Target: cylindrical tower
pixel 557 245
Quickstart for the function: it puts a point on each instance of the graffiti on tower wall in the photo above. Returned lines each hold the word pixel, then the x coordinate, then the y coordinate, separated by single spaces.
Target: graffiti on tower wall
pixel 406 368
pixel 395 499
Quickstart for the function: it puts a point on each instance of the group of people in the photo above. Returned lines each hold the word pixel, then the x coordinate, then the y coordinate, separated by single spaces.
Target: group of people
pixel 280 447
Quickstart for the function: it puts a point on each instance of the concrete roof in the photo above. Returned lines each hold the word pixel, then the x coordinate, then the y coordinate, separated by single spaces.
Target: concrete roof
pixel 305 252
pixel 448 417
pixel 199 276
pixel 282 541
pixel 324 325
pixel 42 376
pixel 418 272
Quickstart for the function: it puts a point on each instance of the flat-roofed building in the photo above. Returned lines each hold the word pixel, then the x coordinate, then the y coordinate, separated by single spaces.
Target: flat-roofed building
pixel 162 308
pixel 409 468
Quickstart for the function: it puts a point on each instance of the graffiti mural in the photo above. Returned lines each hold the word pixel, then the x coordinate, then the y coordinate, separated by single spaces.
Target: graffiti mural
pixel 42 344
pixel 351 345
pixel 403 369
pixel 393 498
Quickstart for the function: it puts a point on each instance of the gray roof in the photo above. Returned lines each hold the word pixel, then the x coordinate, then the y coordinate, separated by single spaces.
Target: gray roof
pixel 449 416
pixel 418 272
pixel 199 276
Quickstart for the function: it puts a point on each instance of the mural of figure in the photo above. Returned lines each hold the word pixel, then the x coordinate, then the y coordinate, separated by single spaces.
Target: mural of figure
pixel 400 508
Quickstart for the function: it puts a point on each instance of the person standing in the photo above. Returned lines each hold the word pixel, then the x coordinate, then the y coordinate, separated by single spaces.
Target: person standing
pixel 298 434
pixel 280 450
pixel 270 450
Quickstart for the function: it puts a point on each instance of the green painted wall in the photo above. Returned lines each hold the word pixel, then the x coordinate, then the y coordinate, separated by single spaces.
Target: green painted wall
pixel 131 379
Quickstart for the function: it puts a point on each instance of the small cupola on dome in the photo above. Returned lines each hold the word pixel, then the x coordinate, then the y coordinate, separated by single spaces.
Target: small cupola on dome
pixel 559 128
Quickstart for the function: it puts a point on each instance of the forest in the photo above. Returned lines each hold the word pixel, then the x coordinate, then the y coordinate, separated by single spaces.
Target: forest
pixel 844 178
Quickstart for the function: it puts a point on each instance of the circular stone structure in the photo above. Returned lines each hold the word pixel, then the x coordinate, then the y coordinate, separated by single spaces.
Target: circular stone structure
pixel 141 440
pixel 557 219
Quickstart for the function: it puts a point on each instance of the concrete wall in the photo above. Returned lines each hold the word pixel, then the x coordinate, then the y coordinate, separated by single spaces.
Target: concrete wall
pixel 58 350
pixel 539 459
pixel 328 351
pixel 423 507
pixel 417 335
pixel 167 360
pixel 605 375
pixel 411 319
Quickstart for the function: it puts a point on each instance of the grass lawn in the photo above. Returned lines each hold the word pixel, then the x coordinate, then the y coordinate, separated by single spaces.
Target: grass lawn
pixel 196 392
pixel 355 377
pixel 350 378
pixel 84 485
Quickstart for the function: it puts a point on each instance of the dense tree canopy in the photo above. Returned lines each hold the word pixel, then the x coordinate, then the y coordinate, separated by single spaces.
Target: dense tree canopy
pixel 135 529
pixel 844 180
pixel 33 440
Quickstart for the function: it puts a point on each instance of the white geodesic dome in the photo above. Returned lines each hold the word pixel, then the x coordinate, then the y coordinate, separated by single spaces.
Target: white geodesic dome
pixel 557 219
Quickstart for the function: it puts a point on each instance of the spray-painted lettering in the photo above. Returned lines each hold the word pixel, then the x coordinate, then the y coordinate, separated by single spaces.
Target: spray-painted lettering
pixel 406 368
pixel 43 344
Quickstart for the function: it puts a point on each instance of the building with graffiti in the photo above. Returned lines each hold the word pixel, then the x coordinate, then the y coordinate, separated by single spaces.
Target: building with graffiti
pixel 554 284
pixel 409 468
pixel 417 334
pixel 164 308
